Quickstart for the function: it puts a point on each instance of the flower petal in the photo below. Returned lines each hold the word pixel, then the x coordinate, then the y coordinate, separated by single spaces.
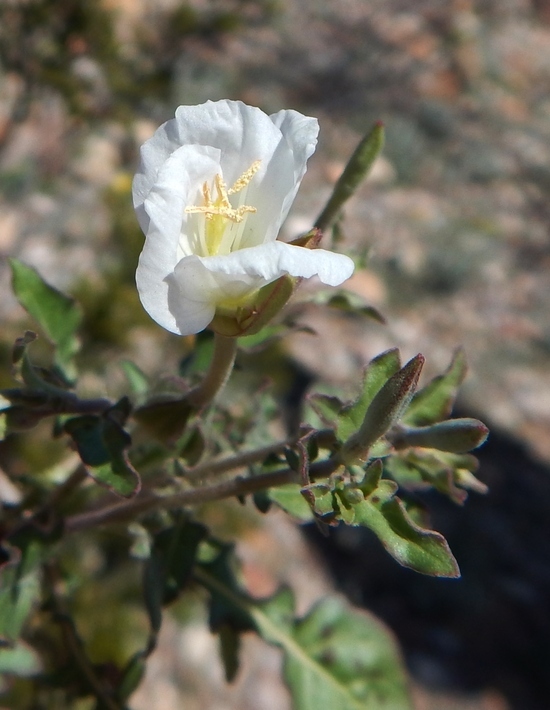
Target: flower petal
pixel 268 262
pixel 300 133
pixel 163 210
pixel 243 134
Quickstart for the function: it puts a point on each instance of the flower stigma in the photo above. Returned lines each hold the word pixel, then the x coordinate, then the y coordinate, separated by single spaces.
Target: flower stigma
pixel 219 213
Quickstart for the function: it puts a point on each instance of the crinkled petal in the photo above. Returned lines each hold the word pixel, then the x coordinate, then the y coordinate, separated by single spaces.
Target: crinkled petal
pixel 268 262
pixel 164 209
pixel 243 134
pixel 203 283
pixel 300 133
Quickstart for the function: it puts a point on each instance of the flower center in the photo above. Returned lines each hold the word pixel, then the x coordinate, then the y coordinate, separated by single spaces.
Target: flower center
pixel 219 213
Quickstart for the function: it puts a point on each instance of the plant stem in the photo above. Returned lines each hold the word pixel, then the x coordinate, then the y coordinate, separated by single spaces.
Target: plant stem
pixel 223 359
pixel 147 502
pixel 215 468
pixel 124 511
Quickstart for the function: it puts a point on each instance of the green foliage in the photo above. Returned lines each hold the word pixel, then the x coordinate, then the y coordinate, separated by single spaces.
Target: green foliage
pixel 333 657
pixel 176 445
pixel 348 302
pixel 354 173
pixel 57 315
pixel 102 442
pixel 374 439
pixel 20 588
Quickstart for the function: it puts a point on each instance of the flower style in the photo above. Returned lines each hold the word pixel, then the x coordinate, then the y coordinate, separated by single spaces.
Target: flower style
pixel 214 186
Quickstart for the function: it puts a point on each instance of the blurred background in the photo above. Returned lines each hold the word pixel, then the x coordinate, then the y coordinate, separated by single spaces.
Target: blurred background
pixel 452 228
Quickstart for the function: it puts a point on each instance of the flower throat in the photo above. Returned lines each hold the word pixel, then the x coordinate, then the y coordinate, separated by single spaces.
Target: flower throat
pixel 219 212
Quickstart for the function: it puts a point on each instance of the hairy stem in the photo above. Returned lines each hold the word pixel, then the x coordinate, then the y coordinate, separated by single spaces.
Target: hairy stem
pixel 228 489
pixel 239 486
pixel 216 468
pixel 225 350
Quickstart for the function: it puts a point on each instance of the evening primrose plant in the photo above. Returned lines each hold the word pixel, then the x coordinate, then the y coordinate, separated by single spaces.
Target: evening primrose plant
pixel 137 473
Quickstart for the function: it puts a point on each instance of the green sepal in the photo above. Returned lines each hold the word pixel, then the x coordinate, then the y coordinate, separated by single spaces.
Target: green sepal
pixel 250 317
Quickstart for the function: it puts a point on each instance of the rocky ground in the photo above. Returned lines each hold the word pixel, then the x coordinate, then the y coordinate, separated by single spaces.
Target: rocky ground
pixel 453 224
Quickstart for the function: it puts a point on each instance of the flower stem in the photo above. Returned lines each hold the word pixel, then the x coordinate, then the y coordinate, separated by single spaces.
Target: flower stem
pixel 223 359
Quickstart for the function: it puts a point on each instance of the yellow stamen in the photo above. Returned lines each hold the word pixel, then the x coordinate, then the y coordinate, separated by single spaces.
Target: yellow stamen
pixel 221 206
pixel 245 178
pixel 220 211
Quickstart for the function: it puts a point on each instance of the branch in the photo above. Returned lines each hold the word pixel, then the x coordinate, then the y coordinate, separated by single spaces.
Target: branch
pixel 126 511
pixel 148 502
pixel 215 468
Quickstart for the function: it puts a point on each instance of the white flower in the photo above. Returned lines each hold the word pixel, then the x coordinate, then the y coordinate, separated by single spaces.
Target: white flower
pixel 214 186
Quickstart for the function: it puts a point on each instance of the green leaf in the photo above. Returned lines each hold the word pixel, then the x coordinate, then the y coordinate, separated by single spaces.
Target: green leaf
pixel 101 443
pixel 19 588
pixel 230 644
pixel 435 401
pixel 132 675
pixel 327 407
pixel 425 551
pixel 348 302
pixel 19 660
pixel 335 657
pixel 177 549
pixel 355 171
pixel 169 566
pixel 192 446
pixel 338 657
pixel 448 473
pixel 139 384
pixel 377 373
pixel 164 417
pixel 222 611
pixel 263 337
pixel 291 500
pixel 57 314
